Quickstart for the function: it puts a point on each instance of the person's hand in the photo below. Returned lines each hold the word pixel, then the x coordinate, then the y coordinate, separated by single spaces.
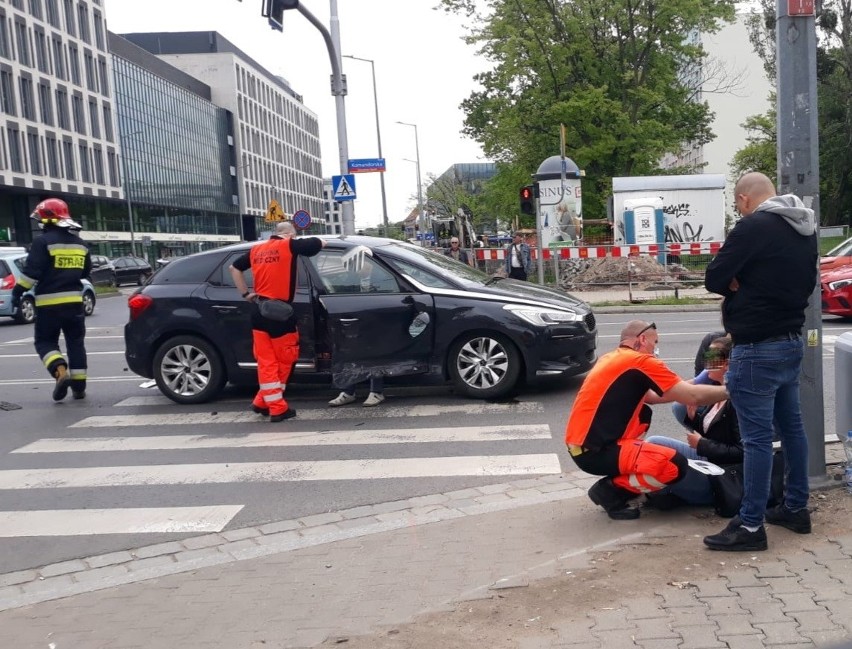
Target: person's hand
pixel 692 439
pixel 690 411
pixel 17 292
pixel 734 285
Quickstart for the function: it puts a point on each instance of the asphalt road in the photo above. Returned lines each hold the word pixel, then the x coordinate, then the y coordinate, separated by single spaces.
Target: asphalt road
pixel 138 469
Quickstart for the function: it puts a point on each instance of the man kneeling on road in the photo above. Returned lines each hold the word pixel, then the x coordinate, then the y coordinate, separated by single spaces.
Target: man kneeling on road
pixel 611 414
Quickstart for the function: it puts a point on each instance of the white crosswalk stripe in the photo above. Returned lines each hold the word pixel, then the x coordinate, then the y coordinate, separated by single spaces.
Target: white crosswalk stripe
pixel 227 432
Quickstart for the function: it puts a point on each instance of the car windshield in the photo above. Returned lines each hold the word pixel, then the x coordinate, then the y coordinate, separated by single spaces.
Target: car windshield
pixel 435 262
pixel 843 250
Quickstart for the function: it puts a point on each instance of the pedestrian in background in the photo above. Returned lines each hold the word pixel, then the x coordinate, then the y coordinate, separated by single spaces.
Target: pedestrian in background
pixel 275 341
pixel 457 253
pixel 611 414
pixel 57 262
pixel 766 270
pixel 518 262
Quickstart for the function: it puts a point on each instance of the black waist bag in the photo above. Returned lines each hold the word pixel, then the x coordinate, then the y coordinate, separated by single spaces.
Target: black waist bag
pixel 277 310
pixel 728 487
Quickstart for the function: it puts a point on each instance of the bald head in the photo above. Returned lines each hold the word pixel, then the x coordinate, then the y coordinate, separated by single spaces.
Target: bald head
pixel 285 229
pixel 751 190
pixel 632 329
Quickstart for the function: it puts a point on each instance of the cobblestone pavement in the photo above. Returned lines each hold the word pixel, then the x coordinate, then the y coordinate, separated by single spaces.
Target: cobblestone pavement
pixel 298 583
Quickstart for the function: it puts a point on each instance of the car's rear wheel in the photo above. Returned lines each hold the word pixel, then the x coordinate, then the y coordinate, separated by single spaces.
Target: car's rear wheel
pixel 484 365
pixel 188 370
pixel 88 303
pixel 143 277
pixel 26 312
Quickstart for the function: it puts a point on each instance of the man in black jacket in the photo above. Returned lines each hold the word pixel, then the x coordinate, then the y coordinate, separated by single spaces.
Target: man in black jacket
pixel 56 263
pixel 766 271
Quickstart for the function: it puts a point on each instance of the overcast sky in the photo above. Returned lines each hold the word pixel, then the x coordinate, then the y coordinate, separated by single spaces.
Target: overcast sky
pixel 423 72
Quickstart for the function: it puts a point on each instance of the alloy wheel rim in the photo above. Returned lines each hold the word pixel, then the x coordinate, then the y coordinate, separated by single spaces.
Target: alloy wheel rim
pixel 482 363
pixel 186 370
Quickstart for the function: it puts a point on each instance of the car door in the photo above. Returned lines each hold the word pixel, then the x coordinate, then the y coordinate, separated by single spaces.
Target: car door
pixel 122 272
pixel 370 317
pixel 233 312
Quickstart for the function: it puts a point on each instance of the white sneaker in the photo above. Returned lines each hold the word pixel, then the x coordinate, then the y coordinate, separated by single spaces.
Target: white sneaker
pixel 373 399
pixel 342 399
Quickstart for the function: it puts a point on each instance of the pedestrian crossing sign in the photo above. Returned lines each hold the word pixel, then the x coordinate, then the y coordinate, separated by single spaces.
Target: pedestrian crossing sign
pixel 343 187
pixel 274 213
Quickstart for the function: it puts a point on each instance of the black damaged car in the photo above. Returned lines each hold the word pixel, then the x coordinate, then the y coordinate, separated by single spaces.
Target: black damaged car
pixel 363 304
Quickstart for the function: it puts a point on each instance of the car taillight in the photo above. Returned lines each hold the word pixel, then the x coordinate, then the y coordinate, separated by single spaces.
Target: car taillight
pixel 138 304
pixel 8 282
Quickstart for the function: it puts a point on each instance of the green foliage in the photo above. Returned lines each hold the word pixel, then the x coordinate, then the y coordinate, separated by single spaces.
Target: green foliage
pixel 609 70
pixel 759 153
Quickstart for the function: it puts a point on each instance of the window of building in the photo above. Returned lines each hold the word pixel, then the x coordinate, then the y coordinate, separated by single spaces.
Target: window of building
pixel 23 42
pixel 102 70
pixel 85 167
pixel 7 93
pixel 70 25
pixel 27 98
pixel 112 163
pixel 79 117
pixel 94 118
pixel 58 59
pixel 74 63
pixel 91 78
pixel 52 13
pixel 83 21
pixel 45 102
pixel 42 56
pixel 98 157
pixel 68 154
pixel 108 132
pixel 18 4
pixel 33 145
pixel 62 114
pixel 5 49
pixel 53 168
pixel 16 160
pixel 99 31
pixel 35 9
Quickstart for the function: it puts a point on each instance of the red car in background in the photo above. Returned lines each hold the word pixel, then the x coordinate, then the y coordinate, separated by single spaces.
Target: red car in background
pixel 837 257
pixel 836 288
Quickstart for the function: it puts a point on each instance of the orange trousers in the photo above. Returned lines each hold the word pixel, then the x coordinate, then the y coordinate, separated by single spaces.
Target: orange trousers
pixel 275 358
pixel 644 468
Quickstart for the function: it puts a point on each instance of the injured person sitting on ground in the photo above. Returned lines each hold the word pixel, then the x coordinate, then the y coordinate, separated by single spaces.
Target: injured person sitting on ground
pixel 612 413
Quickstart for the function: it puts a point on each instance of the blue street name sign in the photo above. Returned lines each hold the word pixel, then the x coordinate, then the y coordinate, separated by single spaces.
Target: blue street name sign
pixel 366 165
pixel 343 187
pixel 302 219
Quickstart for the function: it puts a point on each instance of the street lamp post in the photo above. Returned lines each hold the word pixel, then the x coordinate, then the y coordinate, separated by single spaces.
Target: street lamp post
pixel 124 174
pixel 378 136
pixel 419 183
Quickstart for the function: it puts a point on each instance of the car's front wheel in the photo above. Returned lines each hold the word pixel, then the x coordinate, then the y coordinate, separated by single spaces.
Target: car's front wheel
pixel 484 365
pixel 26 312
pixel 188 370
pixel 88 303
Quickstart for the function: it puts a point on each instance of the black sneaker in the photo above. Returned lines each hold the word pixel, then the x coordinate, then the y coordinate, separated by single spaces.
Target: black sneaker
pixel 614 500
pixel 736 538
pixel 78 394
pixel 259 410
pixel 287 414
pixel 799 522
pixel 63 382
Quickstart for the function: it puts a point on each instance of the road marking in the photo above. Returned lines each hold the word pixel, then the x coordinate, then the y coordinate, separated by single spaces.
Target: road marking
pixel 90 379
pixel 33 355
pixel 261 440
pixel 142 520
pixel 206 418
pixel 221 473
pixel 159 399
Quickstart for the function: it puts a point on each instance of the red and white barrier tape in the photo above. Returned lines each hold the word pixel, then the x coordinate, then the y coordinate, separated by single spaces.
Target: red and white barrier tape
pixel 599 252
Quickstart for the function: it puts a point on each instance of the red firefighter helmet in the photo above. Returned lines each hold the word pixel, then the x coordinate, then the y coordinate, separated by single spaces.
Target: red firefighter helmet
pixel 53 211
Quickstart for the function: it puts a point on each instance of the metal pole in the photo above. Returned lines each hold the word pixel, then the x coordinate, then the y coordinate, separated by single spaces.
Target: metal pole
pixel 378 138
pixel 798 173
pixel 419 183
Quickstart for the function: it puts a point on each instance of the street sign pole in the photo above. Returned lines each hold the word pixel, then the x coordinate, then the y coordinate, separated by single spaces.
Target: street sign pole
pixel 798 173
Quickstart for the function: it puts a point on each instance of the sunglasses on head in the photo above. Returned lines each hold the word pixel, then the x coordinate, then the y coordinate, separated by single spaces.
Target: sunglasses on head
pixel 650 326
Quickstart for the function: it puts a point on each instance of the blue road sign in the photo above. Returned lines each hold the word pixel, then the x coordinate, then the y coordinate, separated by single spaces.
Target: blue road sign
pixel 301 219
pixel 343 187
pixel 366 165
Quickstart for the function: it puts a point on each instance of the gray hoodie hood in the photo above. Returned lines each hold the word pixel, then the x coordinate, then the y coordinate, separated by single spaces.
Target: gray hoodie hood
pixel 793 210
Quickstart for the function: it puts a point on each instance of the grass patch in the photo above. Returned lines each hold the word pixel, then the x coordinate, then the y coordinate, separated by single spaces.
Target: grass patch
pixel 828 243
pixel 659 301
pixel 105 290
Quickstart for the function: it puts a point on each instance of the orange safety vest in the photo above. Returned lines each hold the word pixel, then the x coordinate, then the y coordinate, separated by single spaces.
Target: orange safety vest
pixel 274 268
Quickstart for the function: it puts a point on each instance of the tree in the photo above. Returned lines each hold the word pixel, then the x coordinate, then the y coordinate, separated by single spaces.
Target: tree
pixel 760 151
pixel 610 70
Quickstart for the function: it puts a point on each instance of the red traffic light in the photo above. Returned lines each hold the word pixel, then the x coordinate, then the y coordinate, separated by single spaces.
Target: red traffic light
pixel 526 193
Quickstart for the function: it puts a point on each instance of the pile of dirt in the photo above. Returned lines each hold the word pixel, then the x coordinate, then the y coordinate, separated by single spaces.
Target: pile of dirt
pixel 643 272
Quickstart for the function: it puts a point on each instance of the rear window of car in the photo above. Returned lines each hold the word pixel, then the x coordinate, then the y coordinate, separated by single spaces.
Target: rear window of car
pixel 188 270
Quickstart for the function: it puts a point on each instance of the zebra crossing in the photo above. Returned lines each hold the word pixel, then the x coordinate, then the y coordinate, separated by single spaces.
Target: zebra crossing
pixel 193 450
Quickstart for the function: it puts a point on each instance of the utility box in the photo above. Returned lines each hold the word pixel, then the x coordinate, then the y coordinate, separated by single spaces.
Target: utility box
pixel 644 222
pixel 843 384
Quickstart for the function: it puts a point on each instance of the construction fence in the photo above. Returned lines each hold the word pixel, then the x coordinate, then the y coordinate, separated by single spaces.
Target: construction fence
pixel 599 267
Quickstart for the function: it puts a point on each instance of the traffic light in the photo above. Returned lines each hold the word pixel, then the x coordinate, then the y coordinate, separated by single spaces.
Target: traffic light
pixel 274 11
pixel 528 200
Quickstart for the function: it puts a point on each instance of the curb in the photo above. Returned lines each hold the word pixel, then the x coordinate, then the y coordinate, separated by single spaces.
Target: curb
pixel 658 308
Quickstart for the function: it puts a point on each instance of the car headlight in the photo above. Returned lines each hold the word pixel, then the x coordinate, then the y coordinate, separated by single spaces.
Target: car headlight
pixel 542 316
pixel 841 283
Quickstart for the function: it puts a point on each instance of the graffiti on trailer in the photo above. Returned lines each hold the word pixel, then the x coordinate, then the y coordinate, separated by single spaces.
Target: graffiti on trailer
pixel 678 229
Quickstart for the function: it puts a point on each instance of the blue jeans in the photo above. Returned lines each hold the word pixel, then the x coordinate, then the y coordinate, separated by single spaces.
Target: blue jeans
pixel 377 384
pixel 763 381
pixel 694 488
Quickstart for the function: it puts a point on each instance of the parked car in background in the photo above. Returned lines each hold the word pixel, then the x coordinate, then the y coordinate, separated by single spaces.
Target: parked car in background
pixel 363 304
pixel 11 268
pixel 840 255
pixel 836 287
pixel 131 270
pixel 103 272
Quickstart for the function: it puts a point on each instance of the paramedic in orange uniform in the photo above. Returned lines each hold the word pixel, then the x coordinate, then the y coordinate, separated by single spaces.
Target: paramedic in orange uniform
pixel 611 414
pixel 276 343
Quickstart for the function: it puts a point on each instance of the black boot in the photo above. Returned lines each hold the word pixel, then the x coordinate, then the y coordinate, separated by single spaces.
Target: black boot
pixel 613 500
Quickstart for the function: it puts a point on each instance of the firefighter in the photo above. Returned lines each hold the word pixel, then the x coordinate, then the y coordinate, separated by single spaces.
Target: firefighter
pixel 57 261
pixel 611 414
pixel 276 342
